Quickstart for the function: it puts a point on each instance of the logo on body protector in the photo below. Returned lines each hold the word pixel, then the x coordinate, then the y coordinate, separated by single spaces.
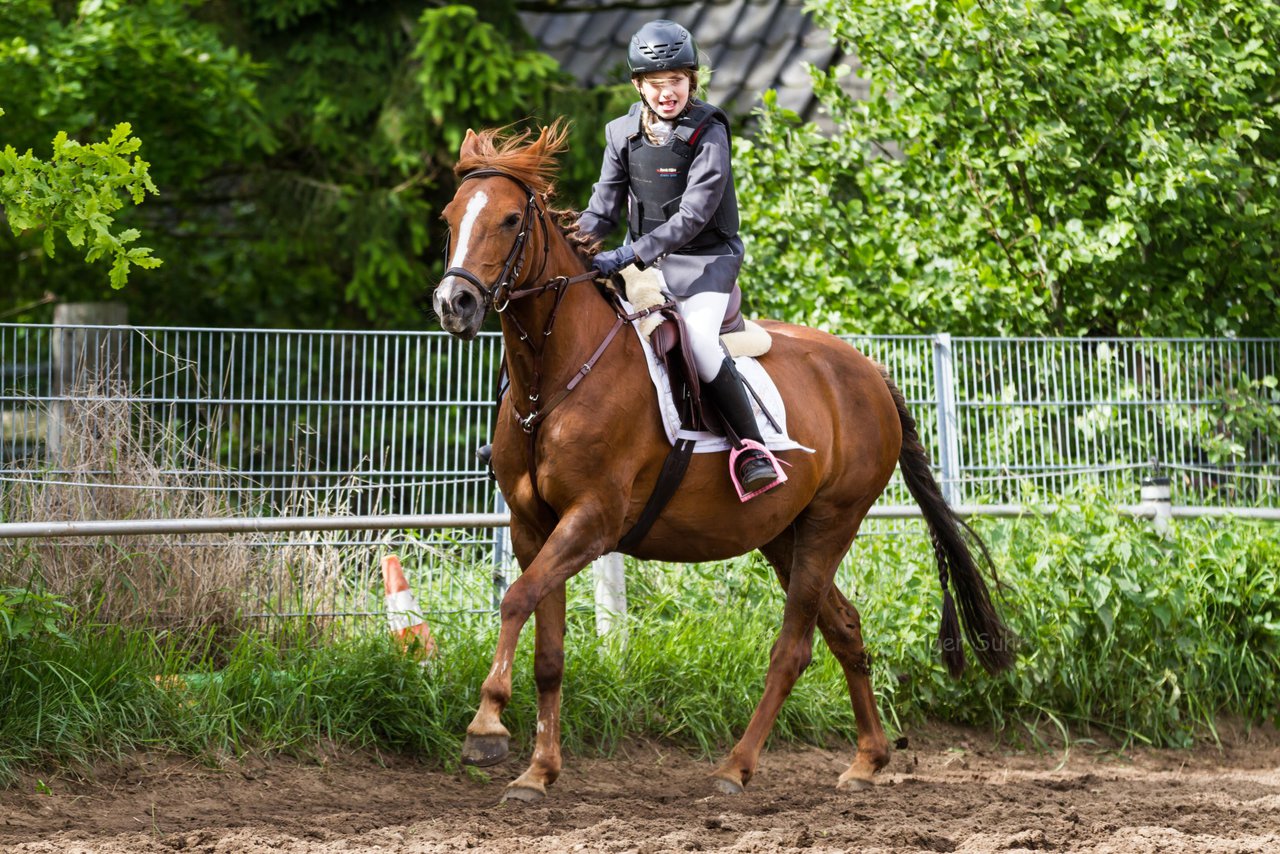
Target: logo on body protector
pixel 668 172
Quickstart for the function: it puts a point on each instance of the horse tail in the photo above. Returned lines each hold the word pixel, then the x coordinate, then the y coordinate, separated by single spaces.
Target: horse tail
pixel 957 569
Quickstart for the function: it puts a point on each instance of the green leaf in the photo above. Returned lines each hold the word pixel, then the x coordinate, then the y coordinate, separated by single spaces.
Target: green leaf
pixel 1098 588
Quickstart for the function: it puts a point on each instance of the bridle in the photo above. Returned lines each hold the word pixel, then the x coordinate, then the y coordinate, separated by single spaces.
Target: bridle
pixel 499 295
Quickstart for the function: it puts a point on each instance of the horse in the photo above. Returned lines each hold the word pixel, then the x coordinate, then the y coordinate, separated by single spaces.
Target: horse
pixel 578 447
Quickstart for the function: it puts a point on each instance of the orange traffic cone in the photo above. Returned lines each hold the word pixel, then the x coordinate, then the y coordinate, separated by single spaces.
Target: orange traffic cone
pixel 407 625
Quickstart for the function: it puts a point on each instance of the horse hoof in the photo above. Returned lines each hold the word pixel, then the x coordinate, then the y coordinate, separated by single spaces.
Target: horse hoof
pixel 854 784
pixel 522 793
pixel 727 786
pixel 484 750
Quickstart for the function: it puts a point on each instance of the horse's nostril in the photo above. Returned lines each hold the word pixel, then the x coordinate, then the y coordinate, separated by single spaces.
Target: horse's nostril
pixel 464 303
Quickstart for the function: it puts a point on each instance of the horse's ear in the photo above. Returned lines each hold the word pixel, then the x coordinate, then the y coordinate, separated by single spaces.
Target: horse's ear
pixel 468 143
pixel 537 146
pixel 553 138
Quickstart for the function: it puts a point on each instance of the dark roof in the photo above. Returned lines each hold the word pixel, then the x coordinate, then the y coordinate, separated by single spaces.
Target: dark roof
pixel 751 46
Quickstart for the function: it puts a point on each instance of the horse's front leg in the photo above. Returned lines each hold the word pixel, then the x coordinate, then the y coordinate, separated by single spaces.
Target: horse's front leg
pixel 578 539
pixel 548 674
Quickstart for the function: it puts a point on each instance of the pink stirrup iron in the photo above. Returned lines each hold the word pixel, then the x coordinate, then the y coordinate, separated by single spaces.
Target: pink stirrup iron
pixel 746 445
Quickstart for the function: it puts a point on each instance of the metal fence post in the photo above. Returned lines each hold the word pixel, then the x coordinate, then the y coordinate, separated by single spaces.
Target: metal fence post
pixel 948 429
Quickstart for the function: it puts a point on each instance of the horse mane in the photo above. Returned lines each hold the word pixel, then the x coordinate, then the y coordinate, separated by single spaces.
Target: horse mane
pixel 513 152
pixel 532 162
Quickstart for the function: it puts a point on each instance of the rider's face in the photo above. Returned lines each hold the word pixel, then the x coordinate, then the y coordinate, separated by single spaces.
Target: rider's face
pixel 666 93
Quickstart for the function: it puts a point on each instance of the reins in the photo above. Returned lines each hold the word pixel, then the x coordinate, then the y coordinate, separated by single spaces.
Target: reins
pixel 530 421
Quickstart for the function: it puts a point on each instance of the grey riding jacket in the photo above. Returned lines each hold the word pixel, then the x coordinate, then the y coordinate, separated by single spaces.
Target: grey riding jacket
pixel 681 209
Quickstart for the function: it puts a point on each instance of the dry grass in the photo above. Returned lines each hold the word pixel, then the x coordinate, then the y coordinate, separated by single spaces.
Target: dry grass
pixel 320 574
pixel 115 462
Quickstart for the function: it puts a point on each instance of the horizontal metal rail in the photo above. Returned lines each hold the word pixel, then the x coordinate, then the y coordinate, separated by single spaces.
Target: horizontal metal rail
pixel 250 525
pixel 276 524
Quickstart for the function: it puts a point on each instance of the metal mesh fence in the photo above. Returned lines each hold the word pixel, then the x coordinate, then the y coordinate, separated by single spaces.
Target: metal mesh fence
pixel 1202 412
pixel 323 423
pixel 377 422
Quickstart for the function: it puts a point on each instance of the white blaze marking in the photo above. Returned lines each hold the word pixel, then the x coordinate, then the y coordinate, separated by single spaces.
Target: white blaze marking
pixel 444 292
pixel 477 203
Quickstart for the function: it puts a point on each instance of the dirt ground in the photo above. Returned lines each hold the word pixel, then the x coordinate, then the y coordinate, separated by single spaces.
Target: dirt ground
pixel 948 790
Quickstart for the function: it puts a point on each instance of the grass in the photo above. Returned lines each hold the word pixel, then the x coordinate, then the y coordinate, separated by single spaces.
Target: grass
pixel 118 460
pixel 1146 639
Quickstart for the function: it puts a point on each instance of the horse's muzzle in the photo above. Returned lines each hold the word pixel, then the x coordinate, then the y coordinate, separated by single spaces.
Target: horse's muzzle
pixel 459 307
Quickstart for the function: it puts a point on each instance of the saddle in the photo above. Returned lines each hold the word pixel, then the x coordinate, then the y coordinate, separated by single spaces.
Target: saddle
pixel 665 330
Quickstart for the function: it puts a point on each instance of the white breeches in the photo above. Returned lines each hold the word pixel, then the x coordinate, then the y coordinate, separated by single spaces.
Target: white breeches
pixel 703 313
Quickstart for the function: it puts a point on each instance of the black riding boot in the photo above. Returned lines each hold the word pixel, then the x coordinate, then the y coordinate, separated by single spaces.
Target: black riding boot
pixel 753 468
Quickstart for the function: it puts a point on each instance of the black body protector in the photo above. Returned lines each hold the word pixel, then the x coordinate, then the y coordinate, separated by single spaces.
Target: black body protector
pixel 660 173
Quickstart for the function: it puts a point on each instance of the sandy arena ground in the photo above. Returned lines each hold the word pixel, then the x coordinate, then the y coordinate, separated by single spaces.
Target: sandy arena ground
pixel 949 790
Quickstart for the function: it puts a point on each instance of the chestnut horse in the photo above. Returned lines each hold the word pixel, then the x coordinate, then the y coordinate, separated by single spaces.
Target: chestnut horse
pixel 579 445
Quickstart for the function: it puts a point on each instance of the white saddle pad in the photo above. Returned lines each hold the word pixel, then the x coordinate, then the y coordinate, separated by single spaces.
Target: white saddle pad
pixel 708 442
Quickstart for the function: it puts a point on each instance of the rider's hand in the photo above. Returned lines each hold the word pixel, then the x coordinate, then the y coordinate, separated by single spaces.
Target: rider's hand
pixel 608 263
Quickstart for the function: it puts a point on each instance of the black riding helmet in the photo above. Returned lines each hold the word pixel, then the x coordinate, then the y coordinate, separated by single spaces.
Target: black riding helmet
pixel 661 46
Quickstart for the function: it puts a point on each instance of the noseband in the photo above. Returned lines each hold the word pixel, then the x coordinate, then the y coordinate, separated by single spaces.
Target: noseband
pixel 499 296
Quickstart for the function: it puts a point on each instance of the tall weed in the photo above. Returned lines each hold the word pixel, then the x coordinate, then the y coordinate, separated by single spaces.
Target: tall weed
pixel 115 460
pixel 1144 637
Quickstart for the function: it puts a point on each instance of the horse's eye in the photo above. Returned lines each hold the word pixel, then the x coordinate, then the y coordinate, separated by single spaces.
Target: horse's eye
pixel 511 221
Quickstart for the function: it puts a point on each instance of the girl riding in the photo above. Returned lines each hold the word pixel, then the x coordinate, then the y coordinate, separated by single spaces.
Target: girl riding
pixel 667 164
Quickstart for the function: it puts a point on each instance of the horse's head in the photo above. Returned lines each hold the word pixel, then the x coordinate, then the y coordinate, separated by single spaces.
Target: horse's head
pixel 498 231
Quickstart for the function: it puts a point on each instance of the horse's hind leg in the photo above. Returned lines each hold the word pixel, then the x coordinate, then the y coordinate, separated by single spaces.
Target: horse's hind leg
pixel 548 673
pixel 821 542
pixel 841 627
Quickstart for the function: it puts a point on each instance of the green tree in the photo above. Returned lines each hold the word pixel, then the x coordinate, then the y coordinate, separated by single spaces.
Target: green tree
pixel 71 72
pixel 1070 167
pixel 77 192
pixel 302 149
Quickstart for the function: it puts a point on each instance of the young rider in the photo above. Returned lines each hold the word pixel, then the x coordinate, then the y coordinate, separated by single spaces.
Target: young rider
pixel 667 164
